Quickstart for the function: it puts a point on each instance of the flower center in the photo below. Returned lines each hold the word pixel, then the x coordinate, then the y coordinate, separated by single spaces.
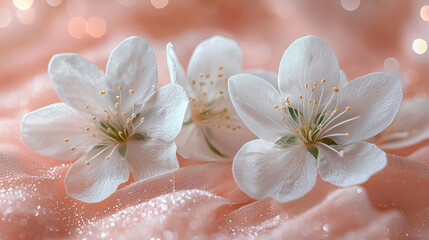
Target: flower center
pixel 312 121
pixel 113 127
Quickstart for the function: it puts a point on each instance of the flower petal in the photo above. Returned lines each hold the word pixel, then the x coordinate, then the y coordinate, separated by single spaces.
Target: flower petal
pixel 343 80
pixel 410 126
pixel 253 99
pixel 164 112
pixel 361 160
pixel 308 60
pixel 268 76
pixel 98 180
pixel 45 131
pixel 132 65
pixel 177 73
pixel 224 143
pixel 263 169
pixel 151 157
pixel 375 98
pixel 214 60
pixel 77 81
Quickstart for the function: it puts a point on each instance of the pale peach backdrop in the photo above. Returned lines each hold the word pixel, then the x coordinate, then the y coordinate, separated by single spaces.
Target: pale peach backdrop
pixel 202 200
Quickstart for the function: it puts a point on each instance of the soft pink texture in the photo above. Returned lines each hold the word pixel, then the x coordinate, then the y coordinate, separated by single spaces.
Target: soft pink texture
pixel 202 199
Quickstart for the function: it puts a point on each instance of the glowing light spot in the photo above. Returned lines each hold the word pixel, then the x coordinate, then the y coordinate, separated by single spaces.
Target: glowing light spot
pixel 96 27
pixel 350 5
pixel 26 16
pixel 76 8
pixel 77 28
pixel 5 17
pixel 54 3
pixel 23 4
pixel 391 64
pixel 424 12
pixel 159 4
pixel 420 46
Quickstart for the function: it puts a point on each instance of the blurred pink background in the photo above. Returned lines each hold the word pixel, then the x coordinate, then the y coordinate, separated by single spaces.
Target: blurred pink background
pixel 366 35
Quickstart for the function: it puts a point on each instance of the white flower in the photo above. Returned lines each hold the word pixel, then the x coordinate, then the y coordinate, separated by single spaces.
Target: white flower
pixel 310 125
pixel 409 127
pixel 113 121
pixel 212 130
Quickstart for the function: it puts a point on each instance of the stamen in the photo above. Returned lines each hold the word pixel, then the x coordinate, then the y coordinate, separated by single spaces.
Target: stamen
pixel 102 92
pixel 348 108
pixel 87 163
pixel 120 88
pixel 117 105
pixel 287 100
pixel 105 110
pixel 72 148
pixel 220 92
pixel 201 75
pixel 87 106
pixel 306 85
pixel 323 80
pixel 131 91
pixel 275 106
pixel 93 118
pixel 340 153
pixel 220 67
pixel 66 139
pixel 117 97
pixel 220 75
pixel 335 89
pixel 124 114
pixel 87 128
pixel 193 82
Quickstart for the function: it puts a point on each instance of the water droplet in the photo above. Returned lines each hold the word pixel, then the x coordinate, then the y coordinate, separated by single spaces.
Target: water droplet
pixel 326 227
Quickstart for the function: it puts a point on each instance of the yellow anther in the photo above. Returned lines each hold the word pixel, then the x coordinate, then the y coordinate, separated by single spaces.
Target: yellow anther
pixel 193 82
pixel 228 126
pixel 347 134
pixel 348 108
pixel 124 114
pixel 287 100
pixel 207 75
pixel 120 88
pixel 306 85
pixel 87 128
pixel 220 67
pixel 309 101
pixel 119 132
pixel 300 97
pixel 205 94
pixel 93 118
pixel 335 89
pixel 87 163
pixel 238 126
pixel 275 106
pixel 220 75
pixel 133 115
pixel 336 109
pixel 102 92
pixel 107 120
pixel 105 110
pixel 87 106
pixel 284 118
pixel 128 120
pixel 93 135
pixel 315 102
pixel 72 148
pixel 323 80
pixel 220 92
pixel 117 105
pixel 233 129
pixel 312 90
pixel 117 97
pixel 201 75
pixel 66 139
pixel 131 91
pixel 142 119
pixel 193 99
pixel 107 158
pixel 284 107
pixel 314 84
pixel 227 117
pixel 202 84
pixel 116 114
pixel 134 104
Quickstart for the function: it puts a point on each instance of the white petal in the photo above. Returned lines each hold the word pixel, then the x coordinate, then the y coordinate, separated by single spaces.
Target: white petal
pixel 215 59
pixel 375 98
pixel 410 126
pixel 164 112
pixel 343 80
pixel 308 60
pixel 361 160
pixel 194 142
pixel 253 99
pixel 151 157
pixel 268 76
pixel 77 81
pixel 45 130
pixel 132 65
pixel 177 74
pixel 98 180
pixel 262 170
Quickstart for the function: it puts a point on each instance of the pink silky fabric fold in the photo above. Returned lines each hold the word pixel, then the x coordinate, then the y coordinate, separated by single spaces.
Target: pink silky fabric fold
pixel 203 200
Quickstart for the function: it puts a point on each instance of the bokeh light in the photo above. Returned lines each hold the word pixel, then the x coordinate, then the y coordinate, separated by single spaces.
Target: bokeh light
pixel 391 64
pixel 76 8
pixel 420 46
pixel 96 27
pixel 26 16
pixel 77 28
pixel 54 3
pixel 424 12
pixel 350 5
pixel 159 3
pixel 23 4
pixel 5 17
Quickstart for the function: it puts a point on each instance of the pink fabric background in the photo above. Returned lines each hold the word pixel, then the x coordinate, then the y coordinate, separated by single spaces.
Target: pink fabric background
pixel 201 200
